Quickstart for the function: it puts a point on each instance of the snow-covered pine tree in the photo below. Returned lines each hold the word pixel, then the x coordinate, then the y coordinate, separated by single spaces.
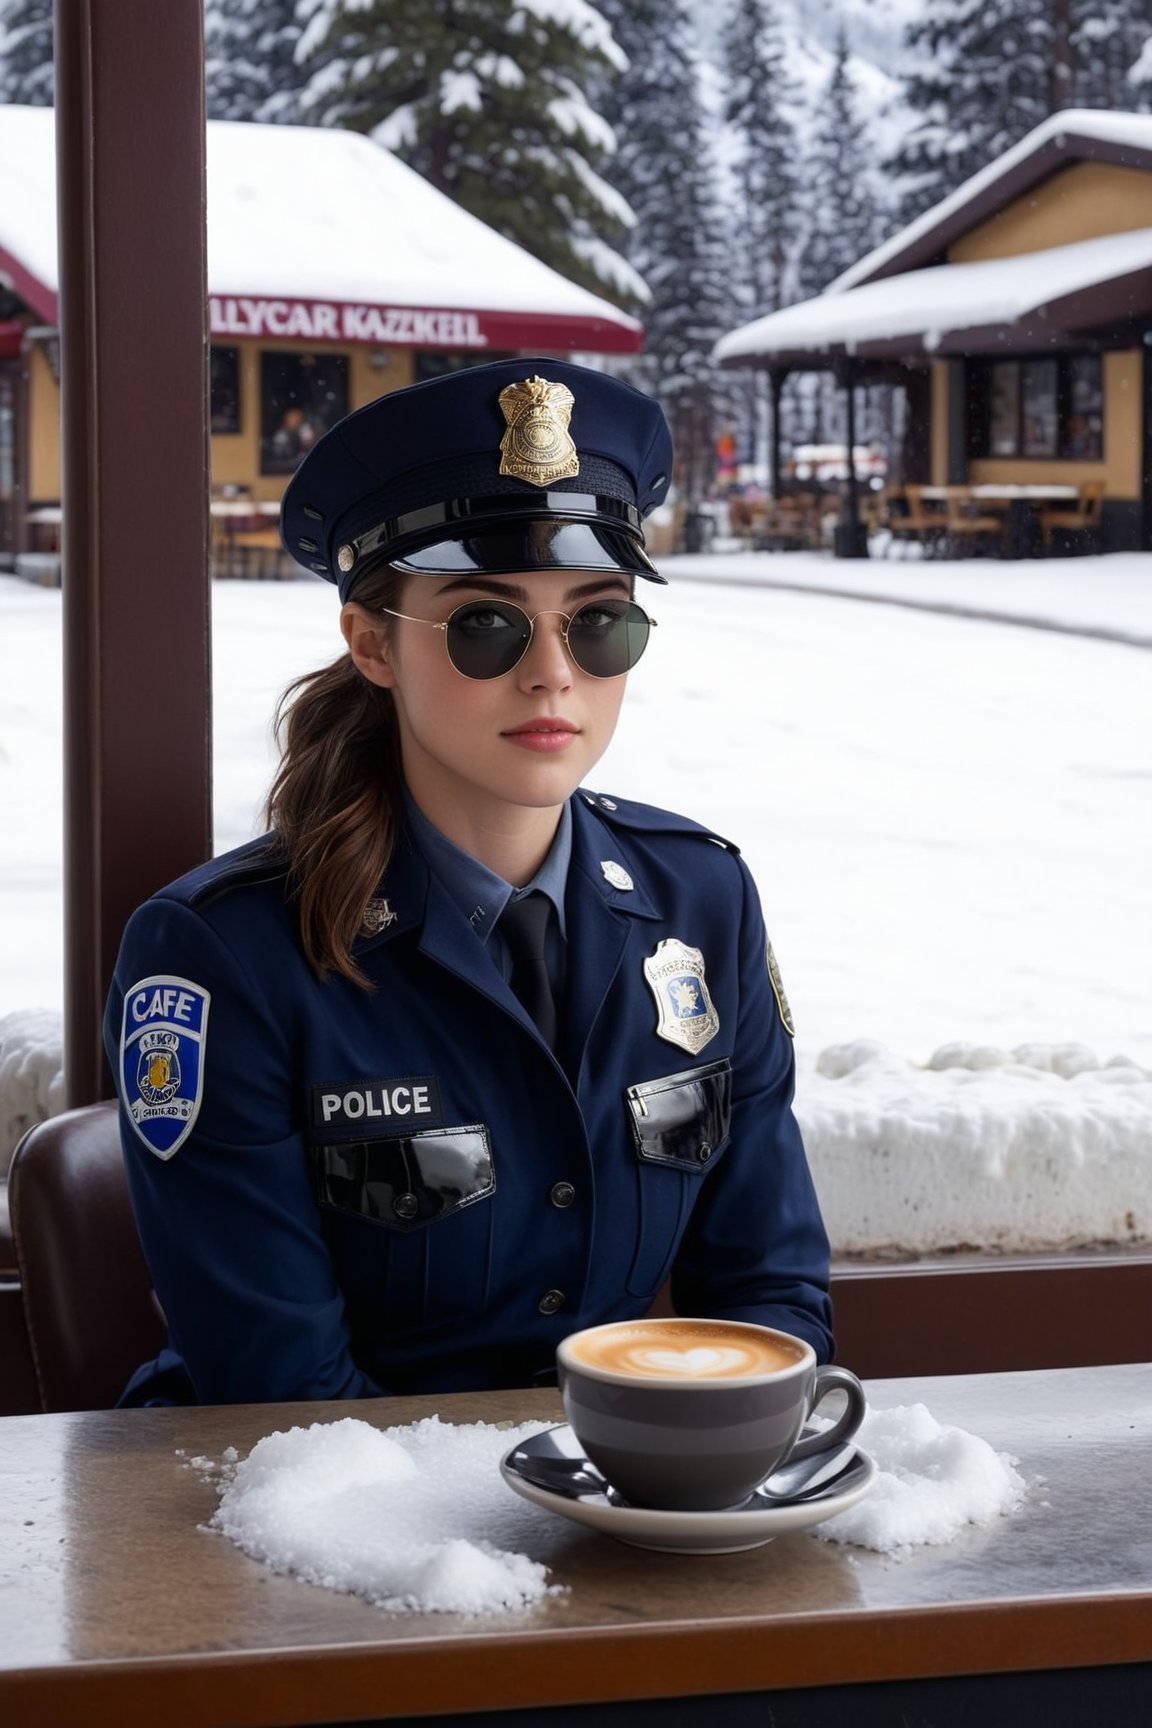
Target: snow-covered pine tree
pixel 842 220
pixel 250 71
pixel 984 72
pixel 664 167
pixel 26 52
pixel 980 78
pixel 758 93
pixel 1108 39
pixel 487 99
pixel 759 100
pixel 840 192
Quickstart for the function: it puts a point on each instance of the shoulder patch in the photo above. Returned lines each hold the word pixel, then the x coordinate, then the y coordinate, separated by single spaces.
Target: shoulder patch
pixel 778 991
pixel 162 1059
pixel 647 819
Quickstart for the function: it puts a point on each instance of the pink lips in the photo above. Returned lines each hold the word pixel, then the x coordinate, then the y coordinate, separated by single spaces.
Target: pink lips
pixel 542 733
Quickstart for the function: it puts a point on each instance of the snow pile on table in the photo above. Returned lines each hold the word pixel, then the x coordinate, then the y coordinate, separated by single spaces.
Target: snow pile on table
pixel 1042 1147
pixel 31 1074
pixel 414 1519
pixel 932 1483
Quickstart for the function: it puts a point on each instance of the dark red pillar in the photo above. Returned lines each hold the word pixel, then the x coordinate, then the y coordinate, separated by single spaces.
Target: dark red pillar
pixel 133 312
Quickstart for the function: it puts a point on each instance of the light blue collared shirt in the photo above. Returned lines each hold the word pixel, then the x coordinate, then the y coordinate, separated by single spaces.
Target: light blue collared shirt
pixel 482 895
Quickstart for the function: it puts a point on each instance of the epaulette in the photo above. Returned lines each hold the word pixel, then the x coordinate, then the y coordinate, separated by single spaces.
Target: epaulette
pixel 647 819
pixel 259 860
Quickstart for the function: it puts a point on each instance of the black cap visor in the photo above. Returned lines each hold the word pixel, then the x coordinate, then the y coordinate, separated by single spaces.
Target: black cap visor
pixel 539 545
pixel 500 536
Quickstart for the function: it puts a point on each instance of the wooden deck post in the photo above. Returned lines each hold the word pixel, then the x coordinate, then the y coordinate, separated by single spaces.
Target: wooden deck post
pixel 134 446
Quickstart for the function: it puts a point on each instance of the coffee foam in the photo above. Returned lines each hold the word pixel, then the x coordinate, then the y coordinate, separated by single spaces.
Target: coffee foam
pixel 682 1351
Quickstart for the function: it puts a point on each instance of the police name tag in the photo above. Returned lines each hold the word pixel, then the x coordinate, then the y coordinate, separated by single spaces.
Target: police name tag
pixel 162 1059
pixel 378 1106
pixel 685 1014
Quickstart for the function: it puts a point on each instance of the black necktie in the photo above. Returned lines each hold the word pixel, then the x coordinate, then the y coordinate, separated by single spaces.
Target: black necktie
pixel 524 926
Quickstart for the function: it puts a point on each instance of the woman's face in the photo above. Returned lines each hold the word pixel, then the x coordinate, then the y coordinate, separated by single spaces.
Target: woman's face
pixel 478 750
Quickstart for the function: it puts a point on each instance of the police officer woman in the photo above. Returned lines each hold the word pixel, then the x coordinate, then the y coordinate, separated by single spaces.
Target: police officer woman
pixel 461 1056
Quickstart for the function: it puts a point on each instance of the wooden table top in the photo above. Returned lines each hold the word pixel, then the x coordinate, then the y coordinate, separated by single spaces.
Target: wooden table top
pixel 1009 490
pixel 115 1607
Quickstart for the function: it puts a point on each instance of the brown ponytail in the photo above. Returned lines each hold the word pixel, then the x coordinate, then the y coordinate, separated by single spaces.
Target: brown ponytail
pixel 336 797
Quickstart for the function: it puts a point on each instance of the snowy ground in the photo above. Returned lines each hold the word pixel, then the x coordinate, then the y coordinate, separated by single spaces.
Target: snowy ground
pixel 950 818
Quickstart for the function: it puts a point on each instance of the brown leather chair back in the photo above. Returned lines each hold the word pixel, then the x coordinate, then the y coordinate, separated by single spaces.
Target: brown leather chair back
pixel 88 1303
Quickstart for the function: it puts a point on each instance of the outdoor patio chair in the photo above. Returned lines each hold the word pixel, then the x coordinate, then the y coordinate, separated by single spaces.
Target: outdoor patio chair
pixel 909 519
pixel 969 529
pixel 1078 524
pixel 742 517
pixel 258 553
pixel 87 1295
pixel 789 524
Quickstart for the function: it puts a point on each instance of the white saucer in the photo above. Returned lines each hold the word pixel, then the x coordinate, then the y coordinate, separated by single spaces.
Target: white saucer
pixel 748 1526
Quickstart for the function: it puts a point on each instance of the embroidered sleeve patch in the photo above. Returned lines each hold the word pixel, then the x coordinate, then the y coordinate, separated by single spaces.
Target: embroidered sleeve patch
pixel 162 1059
pixel 778 991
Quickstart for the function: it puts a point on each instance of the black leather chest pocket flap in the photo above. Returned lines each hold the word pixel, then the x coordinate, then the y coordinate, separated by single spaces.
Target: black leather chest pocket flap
pixel 682 1120
pixel 405 1181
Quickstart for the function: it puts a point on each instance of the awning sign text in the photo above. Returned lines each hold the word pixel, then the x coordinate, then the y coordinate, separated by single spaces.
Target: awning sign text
pixel 330 321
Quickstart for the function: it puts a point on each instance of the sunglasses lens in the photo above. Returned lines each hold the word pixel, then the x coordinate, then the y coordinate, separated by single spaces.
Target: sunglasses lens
pixel 607 637
pixel 486 638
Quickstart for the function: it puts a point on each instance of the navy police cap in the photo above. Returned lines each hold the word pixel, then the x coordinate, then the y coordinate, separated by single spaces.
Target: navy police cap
pixel 515 466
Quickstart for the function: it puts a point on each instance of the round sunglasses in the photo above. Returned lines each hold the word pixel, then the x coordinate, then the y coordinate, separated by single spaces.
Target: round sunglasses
pixel 486 638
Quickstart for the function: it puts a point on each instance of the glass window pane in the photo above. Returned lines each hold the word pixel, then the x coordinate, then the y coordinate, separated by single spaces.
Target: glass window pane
pixel 432 363
pixel 301 396
pixel 1038 390
pixel 224 375
pixel 1083 431
pixel 1004 408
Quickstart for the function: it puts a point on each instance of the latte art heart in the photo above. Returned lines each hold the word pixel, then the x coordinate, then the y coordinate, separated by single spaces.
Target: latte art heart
pixel 697 1363
pixel 686 1350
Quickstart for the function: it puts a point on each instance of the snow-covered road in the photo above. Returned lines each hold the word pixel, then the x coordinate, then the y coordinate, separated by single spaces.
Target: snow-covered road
pixel 950 821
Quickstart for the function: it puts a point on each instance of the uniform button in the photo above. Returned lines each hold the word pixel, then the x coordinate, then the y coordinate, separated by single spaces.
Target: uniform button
pixel 608 803
pixel 405 1206
pixel 704 1153
pixel 551 1301
pixel 562 1194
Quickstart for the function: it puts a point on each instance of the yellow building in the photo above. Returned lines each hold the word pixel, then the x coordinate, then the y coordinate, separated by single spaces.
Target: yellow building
pixel 1017 316
pixel 335 273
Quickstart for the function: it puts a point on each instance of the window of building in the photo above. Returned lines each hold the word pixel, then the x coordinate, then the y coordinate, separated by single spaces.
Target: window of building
pixel 1039 409
pixel 1003 408
pixel 1084 424
pixel 301 396
pixel 431 363
pixel 1051 408
pixel 224 383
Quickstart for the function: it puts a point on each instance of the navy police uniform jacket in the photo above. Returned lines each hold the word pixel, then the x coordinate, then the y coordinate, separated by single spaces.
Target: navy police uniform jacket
pixel 343 1193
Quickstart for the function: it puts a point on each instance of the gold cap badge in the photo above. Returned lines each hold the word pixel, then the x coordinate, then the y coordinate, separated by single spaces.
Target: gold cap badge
pixel 537 446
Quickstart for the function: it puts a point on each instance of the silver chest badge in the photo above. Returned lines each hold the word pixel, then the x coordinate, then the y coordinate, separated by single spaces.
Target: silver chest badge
pixel 685 1014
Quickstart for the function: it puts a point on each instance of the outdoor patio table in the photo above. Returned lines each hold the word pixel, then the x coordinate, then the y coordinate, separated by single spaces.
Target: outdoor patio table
pixel 115 1608
pixel 1021 502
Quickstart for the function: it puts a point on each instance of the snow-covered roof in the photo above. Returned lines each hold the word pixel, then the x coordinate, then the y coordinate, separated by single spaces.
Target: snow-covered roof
pixel 948 305
pixel 1074 134
pixel 318 216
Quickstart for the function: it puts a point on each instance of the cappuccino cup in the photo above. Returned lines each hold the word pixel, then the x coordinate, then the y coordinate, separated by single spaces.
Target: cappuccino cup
pixel 692 1415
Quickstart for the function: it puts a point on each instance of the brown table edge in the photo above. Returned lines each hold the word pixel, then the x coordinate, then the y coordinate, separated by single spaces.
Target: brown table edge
pixel 582 1665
